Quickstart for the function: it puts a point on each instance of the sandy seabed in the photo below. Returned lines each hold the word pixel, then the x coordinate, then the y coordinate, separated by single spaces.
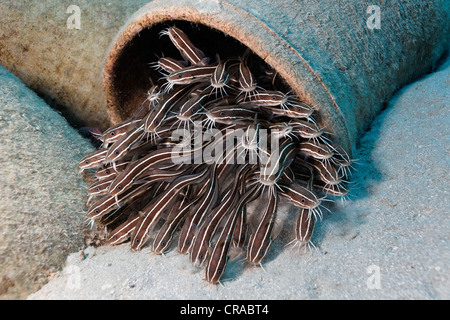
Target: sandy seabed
pixel 390 241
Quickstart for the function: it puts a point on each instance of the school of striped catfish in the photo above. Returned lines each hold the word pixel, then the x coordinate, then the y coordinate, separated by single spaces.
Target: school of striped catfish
pixel 151 187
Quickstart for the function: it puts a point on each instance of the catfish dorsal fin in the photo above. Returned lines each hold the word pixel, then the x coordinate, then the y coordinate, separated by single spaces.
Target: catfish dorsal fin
pixel 216 237
pixel 253 221
pixel 205 61
pixel 277 228
pixel 267 114
pixel 133 160
pixel 200 53
pixel 235 252
pixel 246 54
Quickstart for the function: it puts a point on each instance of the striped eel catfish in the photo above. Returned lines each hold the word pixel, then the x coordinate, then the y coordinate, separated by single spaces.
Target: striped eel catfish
pixel 123 231
pixel 222 77
pixel 302 197
pixel 139 168
pixel 105 205
pixel 187 49
pixel 272 169
pixel 155 119
pixel 170 64
pixel 115 133
pixel 306 129
pixel 316 150
pixel 189 109
pixel 93 160
pixel 261 237
pixel 153 211
pixel 230 114
pixel 247 83
pixel 109 203
pixel 100 187
pixel 190 75
pixel 108 171
pixel 219 254
pixel 304 229
pixel 198 253
pixel 122 145
pixel 198 212
pixel 326 172
pixel 177 214
pixel 305 226
pixel 266 99
pixel 209 138
pixel 241 230
pixel 341 159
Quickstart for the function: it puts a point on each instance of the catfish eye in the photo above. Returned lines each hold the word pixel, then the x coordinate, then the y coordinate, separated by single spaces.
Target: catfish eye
pixel 107 171
pixel 117 152
pixel 319 151
pixel 119 187
pixel 112 133
pixel 303 200
pixel 97 211
pixel 156 121
pixel 307 130
pixel 98 188
pixel 163 243
pixel 180 75
pixel 222 113
pixel 137 240
pixel 188 242
pixel 261 252
pixel 201 256
pixel 86 161
pixel 219 272
pixel 274 97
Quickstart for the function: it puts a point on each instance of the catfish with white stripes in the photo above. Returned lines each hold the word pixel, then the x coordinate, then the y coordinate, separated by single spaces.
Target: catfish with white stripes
pixel 199 211
pixel 187 49
pixel 152 212
pixel 204 139
pixel 219 254
pixel 262 235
